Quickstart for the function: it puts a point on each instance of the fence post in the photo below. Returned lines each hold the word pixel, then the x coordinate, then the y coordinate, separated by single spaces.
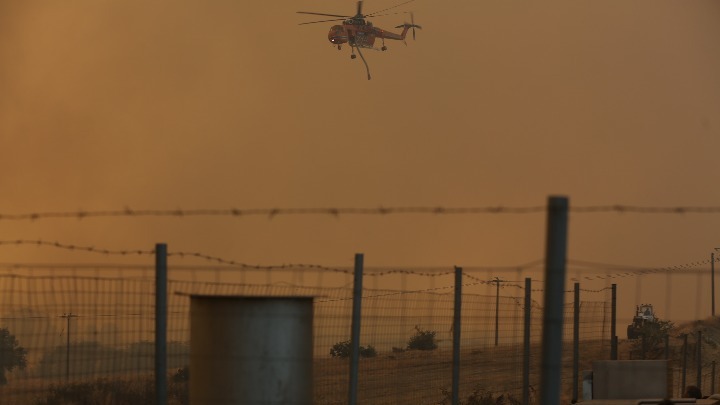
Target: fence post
pixel 555 258
pixel 712 284
pixel 613 326
pixel 667 346
pixel 456 337
pixel 684 362
pixel 355 329
pixel 161 324
pixel 526 342
pixel 576 343
pixel 497 309
pixel 699 360
pixel 68 316
pixel 712 378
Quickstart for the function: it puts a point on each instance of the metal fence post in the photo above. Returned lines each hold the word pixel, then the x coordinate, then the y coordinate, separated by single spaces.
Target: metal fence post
pixel 456 337
pixel 712 284
pixel 699 359
pixel 497 309
pixel 526 342
pixel 613 326
pixel 355 329
pixel 712 378
pixel 684 362
pixel 576 343
pixel 555 258
pixel 68 316
pixel 161 323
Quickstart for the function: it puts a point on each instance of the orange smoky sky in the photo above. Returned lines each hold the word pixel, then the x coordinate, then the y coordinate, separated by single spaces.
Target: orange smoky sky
pixel 218 104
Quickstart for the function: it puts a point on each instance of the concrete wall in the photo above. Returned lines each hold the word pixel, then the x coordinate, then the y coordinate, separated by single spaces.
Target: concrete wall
pixel 631 379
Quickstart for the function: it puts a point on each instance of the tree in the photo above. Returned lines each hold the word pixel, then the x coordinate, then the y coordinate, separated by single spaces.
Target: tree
pixel 650 343
pixel 11 354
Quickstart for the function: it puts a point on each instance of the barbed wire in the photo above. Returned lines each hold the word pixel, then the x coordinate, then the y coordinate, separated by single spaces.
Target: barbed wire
pixel 92 249
pixel 624 270
pixel 336 212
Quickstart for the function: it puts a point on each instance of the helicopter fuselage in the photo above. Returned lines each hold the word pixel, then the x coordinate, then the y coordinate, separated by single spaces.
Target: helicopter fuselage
pixel 358 33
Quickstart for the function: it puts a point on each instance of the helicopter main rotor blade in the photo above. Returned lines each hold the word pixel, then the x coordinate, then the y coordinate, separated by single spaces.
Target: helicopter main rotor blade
pixel 327 15
pixel 389 8
pixel 412 21
pixel 383 15
pixel 322 21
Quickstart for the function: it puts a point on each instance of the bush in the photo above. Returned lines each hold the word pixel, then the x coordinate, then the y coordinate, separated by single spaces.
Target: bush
pixel 650 344
pixel 182 374
pixel 422 340
pixel 342 350
pixel 116 392
pixel 367 351
pixel 480 396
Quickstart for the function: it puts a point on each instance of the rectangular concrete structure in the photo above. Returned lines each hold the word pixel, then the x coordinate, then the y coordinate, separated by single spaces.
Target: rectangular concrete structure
pixel 631 379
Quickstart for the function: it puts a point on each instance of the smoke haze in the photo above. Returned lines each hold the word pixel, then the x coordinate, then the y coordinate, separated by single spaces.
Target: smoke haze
pixel 188 104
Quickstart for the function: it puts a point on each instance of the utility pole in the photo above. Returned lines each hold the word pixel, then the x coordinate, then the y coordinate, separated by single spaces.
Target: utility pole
pixel 497 307
pixel 67 350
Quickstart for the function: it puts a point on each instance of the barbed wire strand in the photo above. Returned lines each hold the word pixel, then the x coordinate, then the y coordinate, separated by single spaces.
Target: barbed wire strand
pixel 629 270
pixel 336 212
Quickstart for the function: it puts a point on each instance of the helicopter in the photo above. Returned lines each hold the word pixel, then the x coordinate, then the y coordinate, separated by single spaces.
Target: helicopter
pixel 359 33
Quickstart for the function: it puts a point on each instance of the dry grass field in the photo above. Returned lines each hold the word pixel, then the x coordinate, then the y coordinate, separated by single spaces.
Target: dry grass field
pixel 425 377
pixel 409 377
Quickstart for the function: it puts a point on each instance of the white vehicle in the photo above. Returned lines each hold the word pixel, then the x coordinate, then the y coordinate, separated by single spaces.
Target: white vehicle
pixel 643 314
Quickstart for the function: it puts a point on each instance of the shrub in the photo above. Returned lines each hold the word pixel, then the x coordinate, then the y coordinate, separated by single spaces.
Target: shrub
pixel 368 351
pixel 480 396
pixel 650 344
pixel 342 350
pixel 182 374
pixel 422 340
pixel 116 392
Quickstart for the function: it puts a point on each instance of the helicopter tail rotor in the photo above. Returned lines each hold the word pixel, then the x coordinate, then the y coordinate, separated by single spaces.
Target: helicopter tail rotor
pixel 411 25
pixel 412 21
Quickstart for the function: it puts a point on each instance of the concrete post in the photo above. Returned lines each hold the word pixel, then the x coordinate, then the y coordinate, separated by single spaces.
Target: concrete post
pixel 251 350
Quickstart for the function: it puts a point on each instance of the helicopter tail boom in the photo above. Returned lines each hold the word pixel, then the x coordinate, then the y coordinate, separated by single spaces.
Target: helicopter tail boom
pixel 406 27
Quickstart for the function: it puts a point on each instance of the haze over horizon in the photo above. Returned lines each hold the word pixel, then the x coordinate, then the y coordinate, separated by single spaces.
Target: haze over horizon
pixel 186 104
